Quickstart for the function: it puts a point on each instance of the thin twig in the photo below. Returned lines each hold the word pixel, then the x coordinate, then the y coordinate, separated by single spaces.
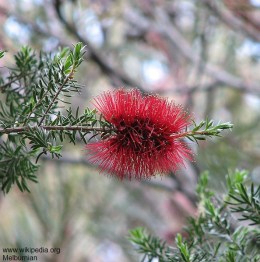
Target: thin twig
pixel 56 95
pixel 9 83
pixel 55 128
pixel 90 129
pixel 36 105
pixel 14 80
pixel 191 133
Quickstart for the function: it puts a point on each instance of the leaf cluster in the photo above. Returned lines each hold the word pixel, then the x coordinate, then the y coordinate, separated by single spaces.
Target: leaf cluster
pixel 216 234
pixel 243 200
pixel 37 86
pixel 207 128
pixel 16 162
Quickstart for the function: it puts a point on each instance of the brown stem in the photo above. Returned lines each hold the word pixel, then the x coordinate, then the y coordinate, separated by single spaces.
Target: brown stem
pixel 88 129
pixel 190 133
pixel 55 128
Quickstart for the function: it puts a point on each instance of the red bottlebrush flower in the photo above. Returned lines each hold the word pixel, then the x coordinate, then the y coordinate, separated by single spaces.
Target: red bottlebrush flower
pixel 142 144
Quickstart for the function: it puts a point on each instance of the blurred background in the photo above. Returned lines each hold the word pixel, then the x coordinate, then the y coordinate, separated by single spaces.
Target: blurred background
pixel 203 54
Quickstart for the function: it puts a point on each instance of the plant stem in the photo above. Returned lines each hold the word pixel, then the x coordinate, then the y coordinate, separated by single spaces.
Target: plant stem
pixel 192 133
pixel 54 128
pixel 39 102
pixel 56 95
pixel 87 129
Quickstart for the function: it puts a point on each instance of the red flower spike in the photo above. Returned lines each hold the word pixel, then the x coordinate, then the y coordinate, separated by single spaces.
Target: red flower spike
pixel 142 144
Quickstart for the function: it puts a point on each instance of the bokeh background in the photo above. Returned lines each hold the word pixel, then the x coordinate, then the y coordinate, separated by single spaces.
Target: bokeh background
pixel 203 54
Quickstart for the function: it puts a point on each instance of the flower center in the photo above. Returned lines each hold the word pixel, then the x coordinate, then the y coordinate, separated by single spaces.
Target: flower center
pixel 142 136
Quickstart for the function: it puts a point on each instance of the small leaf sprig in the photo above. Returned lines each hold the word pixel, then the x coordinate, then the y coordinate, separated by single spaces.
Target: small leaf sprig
pixel 242 199
pixel 151 246
pixel 203 129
